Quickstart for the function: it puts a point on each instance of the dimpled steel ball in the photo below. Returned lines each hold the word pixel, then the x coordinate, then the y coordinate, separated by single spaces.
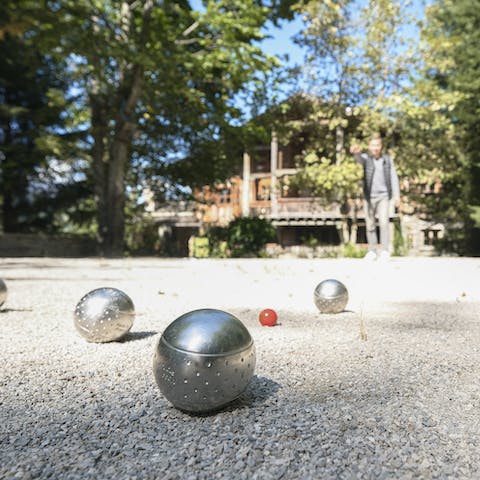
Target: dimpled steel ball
pixel 3 292
pixel 104 315
pixel 204 360
pixel 330 296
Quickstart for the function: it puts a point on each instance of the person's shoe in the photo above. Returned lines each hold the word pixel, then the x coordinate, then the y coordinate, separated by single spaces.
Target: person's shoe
pixel 370 256
pixel 384 256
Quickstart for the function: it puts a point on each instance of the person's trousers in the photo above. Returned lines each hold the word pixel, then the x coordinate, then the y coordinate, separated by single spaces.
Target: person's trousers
pixel 377 207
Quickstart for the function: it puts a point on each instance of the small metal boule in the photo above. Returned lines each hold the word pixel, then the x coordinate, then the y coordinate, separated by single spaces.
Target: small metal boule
pixel 204 360
pixel 104 315
pixel 331 296
pixel 3 292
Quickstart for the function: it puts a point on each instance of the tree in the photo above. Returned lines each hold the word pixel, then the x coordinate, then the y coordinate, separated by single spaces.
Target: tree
pixel 358 59
pixel 155 77
pixel 452 64
pixel 32 131
pixel 357 65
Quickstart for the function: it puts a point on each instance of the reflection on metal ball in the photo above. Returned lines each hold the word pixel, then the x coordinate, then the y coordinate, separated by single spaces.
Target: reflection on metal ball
pixel 104 315
pixel 3 292
pixel 331 296
pixel 204 360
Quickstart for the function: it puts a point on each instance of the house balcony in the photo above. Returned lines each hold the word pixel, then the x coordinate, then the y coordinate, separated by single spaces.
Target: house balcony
pixel 301 211
pixel 178 213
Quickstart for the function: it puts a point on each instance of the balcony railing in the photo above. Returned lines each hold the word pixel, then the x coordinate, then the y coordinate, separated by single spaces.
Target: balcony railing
pixel 180 212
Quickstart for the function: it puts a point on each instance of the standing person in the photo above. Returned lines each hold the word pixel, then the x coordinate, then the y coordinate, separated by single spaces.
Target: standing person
pixel 380 186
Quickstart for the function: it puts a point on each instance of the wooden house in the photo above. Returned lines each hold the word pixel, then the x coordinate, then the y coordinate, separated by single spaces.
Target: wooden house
pixel 264 188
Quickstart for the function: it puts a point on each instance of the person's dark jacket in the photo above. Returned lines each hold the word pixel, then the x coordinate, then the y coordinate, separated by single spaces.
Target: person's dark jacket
pixel 391 178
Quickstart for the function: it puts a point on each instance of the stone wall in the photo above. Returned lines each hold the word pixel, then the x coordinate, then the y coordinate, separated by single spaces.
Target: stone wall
pixel 40 245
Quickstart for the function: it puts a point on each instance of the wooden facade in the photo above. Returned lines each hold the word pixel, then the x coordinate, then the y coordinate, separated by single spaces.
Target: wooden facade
pixel 263 190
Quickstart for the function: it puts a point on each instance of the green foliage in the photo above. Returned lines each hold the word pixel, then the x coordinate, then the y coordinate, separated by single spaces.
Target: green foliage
pixel 331 182
pixel 453 242
pixel 424 99
pixel 243 237
pixel 358 55
pixel 218 242
pixel 475 215
pixel 351 250
pixel 247 236
pixel 358 65
pixel 451 38
pixel 200 247
pixel 154 84
pixel 141 236
pixel 399 243
pixel 310 241
pixel 40 178
pixel 220 250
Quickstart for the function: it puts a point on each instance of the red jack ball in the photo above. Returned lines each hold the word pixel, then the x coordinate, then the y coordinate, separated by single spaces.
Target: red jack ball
pixel 268 317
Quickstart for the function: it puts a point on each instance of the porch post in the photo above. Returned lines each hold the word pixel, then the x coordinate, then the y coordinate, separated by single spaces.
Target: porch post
pixel 246 185
pixel 273 173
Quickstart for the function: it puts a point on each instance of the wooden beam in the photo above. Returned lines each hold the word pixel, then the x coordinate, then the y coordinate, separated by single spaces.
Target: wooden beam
pixel 246 185
pixel 273 172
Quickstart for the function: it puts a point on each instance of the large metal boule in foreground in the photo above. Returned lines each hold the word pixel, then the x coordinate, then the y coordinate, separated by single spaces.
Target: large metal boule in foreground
pixel 104 315
pixel 204 360
pixel 330 296
pixel 3 292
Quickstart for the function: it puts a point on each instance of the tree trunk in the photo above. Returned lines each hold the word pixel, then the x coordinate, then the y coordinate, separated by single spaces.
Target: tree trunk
pixel 9 217
pixel 100 169
pixel 109 169
pixel 115 198
pixel 110 165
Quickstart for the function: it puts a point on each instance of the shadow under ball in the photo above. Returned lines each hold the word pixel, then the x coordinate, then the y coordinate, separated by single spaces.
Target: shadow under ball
pixel 204 360
pixel 3 292
pixel 330 296
pixel 104 315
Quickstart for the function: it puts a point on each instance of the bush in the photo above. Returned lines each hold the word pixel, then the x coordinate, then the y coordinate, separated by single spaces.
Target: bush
pixel 218 242
pixel 351 250
pixel 243 237
pixel 248 236
pixel 141 236
pixel 199 247
pixel 220 250
pixel 400 247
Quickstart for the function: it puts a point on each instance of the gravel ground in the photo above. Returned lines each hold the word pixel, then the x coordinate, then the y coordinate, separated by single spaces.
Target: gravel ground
pixel 388 388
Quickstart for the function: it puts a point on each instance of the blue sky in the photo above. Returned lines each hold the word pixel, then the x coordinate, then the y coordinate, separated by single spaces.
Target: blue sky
pixel 281 42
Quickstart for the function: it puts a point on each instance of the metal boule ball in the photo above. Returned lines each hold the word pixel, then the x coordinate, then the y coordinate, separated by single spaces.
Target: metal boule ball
pixel 3 292
pixel 204 360
pixel 330 296
pixel 104 315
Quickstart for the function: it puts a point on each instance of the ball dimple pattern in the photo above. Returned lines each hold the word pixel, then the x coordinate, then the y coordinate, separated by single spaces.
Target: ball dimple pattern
pixel 212 365
pixel 330 296
pixel 104 315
